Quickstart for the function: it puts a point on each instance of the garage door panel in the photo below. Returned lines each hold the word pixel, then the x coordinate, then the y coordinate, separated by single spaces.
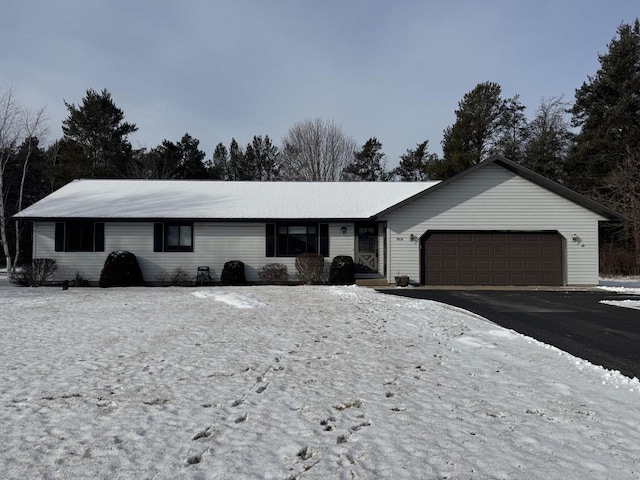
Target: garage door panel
pixel 467 264
pixel 515 251
pixel 500 250
pixel 450 251
pixel 500 265
pixel 450 265
pixel 483 265
pixel 466 279
pixel 466 250
pixel 493 258
pixel 515 265
pixel 499 279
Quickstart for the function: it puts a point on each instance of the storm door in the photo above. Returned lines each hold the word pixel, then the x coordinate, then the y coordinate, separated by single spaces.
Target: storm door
pixel 366 258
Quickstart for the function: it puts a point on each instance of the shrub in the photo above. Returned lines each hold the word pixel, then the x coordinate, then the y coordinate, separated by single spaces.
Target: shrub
pixel 121 269
pixel 177 278
pixel 79 281
pixel 38 272
pixel 617 260
pixel 342 271
pixel 273 273
pixel 233 273
pixel 310 267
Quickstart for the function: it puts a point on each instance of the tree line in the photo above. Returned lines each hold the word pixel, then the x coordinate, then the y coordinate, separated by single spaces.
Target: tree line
pixel 591 145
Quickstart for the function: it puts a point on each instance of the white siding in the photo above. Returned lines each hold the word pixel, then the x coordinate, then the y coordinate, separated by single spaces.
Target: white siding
pixel 381 248
pixel 341 243
pixel 493 198
pixel 87 264
pixel 214 244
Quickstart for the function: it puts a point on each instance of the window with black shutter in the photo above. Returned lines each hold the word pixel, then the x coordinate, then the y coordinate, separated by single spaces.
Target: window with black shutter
pixel 79 236
pixel 292 239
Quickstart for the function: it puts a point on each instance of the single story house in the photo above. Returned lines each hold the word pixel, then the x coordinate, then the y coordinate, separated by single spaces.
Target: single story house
pixel 496 223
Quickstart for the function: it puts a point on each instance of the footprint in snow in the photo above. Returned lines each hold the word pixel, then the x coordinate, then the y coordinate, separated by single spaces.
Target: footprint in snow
pixel 194 459
pixel 202 434
pixel 327 425
pixel 242 418
pixel 262 388
pixel 366 423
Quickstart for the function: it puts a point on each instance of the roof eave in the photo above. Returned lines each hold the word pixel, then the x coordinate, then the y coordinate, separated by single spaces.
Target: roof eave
pixel 191 219
pixel 518 169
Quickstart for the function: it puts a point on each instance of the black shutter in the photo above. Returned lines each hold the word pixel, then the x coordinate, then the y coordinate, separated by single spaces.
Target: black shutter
pixel 324 239
pixel 59 234
pixel 270 230
pixel 158 240
pixel 98 239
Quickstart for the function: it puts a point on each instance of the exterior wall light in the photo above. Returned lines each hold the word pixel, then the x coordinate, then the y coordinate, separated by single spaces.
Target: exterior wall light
pixel 344 230
pixel 412 237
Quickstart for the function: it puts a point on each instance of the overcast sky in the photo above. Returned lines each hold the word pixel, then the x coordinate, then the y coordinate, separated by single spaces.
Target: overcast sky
pixel 391 69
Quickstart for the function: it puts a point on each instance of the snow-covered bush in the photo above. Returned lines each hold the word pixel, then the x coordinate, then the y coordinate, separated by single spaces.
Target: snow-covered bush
pixel 342 271
pixel 273 274
pixel 38 272
pixel 121 269
pixel 233 273
pixel 310 267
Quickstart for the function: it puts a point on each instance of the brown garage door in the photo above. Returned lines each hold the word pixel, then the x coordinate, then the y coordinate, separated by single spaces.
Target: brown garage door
pixel 493 258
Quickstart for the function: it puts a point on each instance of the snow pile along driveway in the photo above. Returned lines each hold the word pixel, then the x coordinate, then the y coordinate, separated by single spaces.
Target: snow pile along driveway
pixel 295 382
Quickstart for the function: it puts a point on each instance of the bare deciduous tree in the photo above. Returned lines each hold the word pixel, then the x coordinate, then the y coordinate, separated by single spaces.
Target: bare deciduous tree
pixel 16 124
pixel 315 150
pixel 33 126
pixel 10 133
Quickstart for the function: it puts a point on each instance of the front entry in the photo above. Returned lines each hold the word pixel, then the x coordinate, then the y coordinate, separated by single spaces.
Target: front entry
pixel 366 259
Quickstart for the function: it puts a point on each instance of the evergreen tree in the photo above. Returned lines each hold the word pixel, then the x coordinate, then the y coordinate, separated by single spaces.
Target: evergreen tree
pixel 607 110
pixel 369 164
pixel 261 160
pixel 415 164
pixel 190 159
pixel 485 124
pixel 97 134
pixel 160 162
pixel 220 164
pixel 27 174
pixel 237 169
pixel 605 162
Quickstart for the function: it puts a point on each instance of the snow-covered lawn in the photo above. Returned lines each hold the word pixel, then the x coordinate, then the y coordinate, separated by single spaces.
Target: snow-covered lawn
pixel 295 382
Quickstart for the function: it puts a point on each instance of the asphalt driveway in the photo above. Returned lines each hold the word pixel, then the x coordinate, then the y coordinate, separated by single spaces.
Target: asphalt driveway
pixel 574 321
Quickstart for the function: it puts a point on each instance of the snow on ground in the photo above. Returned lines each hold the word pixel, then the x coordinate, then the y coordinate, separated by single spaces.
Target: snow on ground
pixel 624 285
pixel 309 383
pixel 623 303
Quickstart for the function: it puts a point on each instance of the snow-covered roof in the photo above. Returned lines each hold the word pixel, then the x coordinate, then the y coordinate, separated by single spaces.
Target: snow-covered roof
pixel 137 199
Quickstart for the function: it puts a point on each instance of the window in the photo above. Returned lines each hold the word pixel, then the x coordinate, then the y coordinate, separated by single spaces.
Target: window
pixel 173 237
pixel 79 236
pixel 289 240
